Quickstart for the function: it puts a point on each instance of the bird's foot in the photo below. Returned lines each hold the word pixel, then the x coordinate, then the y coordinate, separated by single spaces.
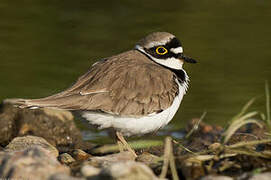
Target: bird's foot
pixel 123 144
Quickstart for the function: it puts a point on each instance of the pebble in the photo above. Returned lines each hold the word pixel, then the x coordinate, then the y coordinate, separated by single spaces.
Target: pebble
pixel 79 154
pixel 88 170
pixel 65 158
pixel 129 170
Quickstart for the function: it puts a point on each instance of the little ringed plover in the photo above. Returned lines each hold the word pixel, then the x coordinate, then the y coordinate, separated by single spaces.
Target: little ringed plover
pixel 135 92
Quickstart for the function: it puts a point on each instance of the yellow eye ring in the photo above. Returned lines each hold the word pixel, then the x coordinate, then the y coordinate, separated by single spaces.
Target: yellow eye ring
pixel 161 50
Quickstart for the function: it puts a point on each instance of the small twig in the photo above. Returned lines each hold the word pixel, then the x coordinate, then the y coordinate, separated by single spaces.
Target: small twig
pixel 249 143
pixel 196 126
pixel 173 166
pixel 167 151
pixel 209 157
pixel 251 153
pixel 185 148
pixel 247 134
pixel 227 165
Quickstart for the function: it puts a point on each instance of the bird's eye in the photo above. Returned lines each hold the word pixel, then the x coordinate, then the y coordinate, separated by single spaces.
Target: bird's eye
pixel 161 50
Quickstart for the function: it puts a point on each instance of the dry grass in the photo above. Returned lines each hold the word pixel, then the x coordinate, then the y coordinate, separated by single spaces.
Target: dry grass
pixel 241 119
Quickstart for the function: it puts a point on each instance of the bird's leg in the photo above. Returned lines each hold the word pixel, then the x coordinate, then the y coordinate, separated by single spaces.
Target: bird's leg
pixel 124 143
pixel 121 146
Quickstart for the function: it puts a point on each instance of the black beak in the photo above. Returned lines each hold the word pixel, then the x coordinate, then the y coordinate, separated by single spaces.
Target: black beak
pixel 186 59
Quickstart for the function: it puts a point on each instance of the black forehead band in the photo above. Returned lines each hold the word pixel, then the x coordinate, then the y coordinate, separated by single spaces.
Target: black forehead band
pixel 173 43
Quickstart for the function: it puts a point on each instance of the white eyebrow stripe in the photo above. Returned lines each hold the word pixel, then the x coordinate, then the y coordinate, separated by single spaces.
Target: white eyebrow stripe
pixel 177 50
pixel 169 62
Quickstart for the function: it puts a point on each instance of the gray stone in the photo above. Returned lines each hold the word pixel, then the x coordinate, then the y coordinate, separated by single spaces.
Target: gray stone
pixel 33 163
pixel 129 170
pixel 88 170
pixel 25 142
pixel 262 176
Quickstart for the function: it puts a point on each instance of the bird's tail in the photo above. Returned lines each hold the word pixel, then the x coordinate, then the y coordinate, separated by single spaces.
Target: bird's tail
pixel 63 100
pixel 29 103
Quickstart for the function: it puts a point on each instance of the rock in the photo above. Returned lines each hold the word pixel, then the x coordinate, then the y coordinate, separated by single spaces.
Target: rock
pixel 261 176
pixel 191 169
pixel 56 126
pixel 33 163
pixel 216 177
pixel 104 161
pixel 78 169
pixel 61 176
pixel 128 170
pixel 80 155
pixel 25 142
pixel 88 170
pixel 65 158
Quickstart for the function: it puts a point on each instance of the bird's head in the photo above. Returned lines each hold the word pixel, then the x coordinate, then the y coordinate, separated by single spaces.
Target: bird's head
pixel 165 49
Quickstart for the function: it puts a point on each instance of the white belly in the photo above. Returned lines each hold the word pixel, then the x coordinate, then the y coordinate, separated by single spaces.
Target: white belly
pixel 136 126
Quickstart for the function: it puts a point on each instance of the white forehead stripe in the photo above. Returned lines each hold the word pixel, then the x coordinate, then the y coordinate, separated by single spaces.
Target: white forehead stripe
pixel 158 43
pixel 177 50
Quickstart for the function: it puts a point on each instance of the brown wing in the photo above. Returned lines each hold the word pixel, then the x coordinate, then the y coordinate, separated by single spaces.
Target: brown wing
pixel 126 84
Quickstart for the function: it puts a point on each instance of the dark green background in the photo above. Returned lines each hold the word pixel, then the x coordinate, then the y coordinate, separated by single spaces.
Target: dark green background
pixel 46 44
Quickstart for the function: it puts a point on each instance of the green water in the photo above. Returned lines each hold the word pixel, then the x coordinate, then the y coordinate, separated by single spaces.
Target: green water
pixel 46 44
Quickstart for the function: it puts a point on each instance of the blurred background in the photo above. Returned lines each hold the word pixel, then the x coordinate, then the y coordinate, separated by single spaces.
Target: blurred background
pixel 46 44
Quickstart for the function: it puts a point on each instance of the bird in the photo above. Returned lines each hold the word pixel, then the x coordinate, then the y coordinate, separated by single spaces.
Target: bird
pixel 135 92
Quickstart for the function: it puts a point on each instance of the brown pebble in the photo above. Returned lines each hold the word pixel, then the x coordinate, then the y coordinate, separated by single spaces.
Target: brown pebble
pixel 79 155
pixel 207 128
pixel 65 158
